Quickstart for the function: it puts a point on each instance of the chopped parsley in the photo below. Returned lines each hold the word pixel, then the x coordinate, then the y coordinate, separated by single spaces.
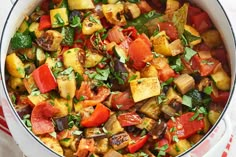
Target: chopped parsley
pixel 76 22
pixel 208 90
pixel 187 101
pixel 189 53
pixel 59 20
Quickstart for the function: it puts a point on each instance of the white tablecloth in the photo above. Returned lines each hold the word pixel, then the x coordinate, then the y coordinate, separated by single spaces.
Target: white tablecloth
pixel 7 143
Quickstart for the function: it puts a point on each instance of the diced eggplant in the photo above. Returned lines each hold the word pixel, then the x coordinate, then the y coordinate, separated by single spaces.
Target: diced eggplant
pixel 27 53
pixel 30 84
pixel 23 110
pixel 29 68
pixel 151 108
pixel 158 130
pixel 132 10
pixel 179 147
pixel 113 126
pixel 212 38
pixel 112 153
pixel 168 111
pixel 94 133
pixel 50 40
pixel 75 13
pixel 171 7
pixel 147 123
pixel 101 146
pixel 61 123
pixel 35 16
pixel 184 83
pixel 119 141
pixel 145 88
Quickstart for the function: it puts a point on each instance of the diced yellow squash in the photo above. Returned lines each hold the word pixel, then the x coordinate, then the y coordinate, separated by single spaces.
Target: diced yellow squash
pixel 213 116
pixel 184 83
pixel 145 88
pixel 24 27
pixel 53 144
pixel 179 147
pixel 176 47
pixel 171 7
pixel 151 108
pixel 221 78
pixel 92 59
pixel 63 105
pixel 36 99
pixel 30 84
pixel 114 13
pixel 67 85
pixel 71 58
pixel 91 24
pixel 147 123
pixel 34 27
pixel 59 17
pixel 149 71
pixel 161 44
pixel 16 84
pixel 193 32
pixel 15 66
pixel 80 4
pixel 160 62
pixel 101 146
pixel 212 38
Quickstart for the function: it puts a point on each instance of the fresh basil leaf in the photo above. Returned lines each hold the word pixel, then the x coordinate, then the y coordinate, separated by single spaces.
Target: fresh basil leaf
pixel 189 53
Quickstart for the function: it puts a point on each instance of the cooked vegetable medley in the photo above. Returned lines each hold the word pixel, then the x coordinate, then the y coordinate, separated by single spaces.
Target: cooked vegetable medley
pixel 118 78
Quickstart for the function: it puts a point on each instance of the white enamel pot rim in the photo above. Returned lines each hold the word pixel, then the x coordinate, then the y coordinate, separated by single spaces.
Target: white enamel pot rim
pixel 29 143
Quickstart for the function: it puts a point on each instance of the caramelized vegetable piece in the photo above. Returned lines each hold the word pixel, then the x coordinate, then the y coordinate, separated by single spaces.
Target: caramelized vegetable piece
pixel 85 147
pixel 179 147
pixel 119 141
pixel 101 145
pixel 91 24
pixel 184 83
pixel 59 17
pixel 151 108
pixel 132 10
pixel 52 143
pixel 113 126
pixel 212 38
pixel 94 133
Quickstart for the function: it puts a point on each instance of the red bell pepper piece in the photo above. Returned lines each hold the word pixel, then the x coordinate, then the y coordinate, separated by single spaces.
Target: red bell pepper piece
pixel 45 22
pixel 100 115
pixel 129 118
pixel 139 53
pixel 138 143
pixel 201 22
pixel 170 30
pixel 192 10
pixel 122 101
pixel 41 118
pixel 44 79
pixel 184 126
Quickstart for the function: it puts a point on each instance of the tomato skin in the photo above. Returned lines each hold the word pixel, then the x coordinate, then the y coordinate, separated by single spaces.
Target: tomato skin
pixel 140 53
pixel 131 32
pixel 100 115
pixel 139 143
pixel 44 79
pixel 128 119
pixel 184 126
pixel 192 10
pixel 166 73
pixel 41 118
pixel 201 22
pixel 170 30
pixel 221 98
pixel 208 67
pixel 122 101
pixel 45 22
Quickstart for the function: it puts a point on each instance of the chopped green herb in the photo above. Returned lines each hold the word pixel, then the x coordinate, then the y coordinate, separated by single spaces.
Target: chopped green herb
pixel 175 138
pixel 76 22
pixel 59 19
pixel 133 77
pixel 187 101
pixel 208 90
pixel 189 53
pixel 94 20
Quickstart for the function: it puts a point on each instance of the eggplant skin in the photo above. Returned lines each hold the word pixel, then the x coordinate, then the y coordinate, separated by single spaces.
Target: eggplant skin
pixel 119 141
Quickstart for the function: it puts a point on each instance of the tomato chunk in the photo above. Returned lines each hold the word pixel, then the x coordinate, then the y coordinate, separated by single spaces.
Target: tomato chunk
pixel 98 117
pixel 122 101
pixel 166 73
pixel 44 79
pixel 128 119
pixel 170 30
pixel 41 118
pixel 192 10
pixel 221 98
pixel 140 53
pixel 139 142
pixel 201 22
pixel 185 126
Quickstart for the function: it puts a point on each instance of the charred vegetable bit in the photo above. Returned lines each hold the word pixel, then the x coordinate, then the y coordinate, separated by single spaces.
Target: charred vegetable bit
pixel 118 78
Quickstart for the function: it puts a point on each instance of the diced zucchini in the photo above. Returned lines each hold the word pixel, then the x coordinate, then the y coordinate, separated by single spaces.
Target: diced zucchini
pixel 184 83
pixel 94 133
pixel 195 138
pixel 30 84
pixel 112 153
pixel 34 28
pixel 212 38
pixel 36 99
pixel 221 78
pixel 149 71
pixel 151 108
pixel 15 66
pixel 59 17
pixel 145 88
pixel 147 123
pixel 114 13
pixel 192 35
pixel 213 116
pixel 71 58
pixel 92 59
pixel 132 10
pixel 53 144
pixel 119 141
pixel 80 4
pixel 91 24
pixel 67 84
pixel 16 83
pixel 121 54
pixel 68 36
pixel 172 95
pixel 28 53
pixel 113 126
pixel 161 44
pixel 24 27
pixel 40 57
pixel 101 146
pixel 20 41
pixel 63 105
pixel 179 147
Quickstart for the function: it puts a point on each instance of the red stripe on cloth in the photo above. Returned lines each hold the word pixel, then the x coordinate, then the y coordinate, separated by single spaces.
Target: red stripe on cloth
pixel 227 148
pixel 3 122
pixel 224 154
pixel 4 129
pixel 1 111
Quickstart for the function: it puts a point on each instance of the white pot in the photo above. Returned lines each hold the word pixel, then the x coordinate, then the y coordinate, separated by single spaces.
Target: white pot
pixel 28 142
